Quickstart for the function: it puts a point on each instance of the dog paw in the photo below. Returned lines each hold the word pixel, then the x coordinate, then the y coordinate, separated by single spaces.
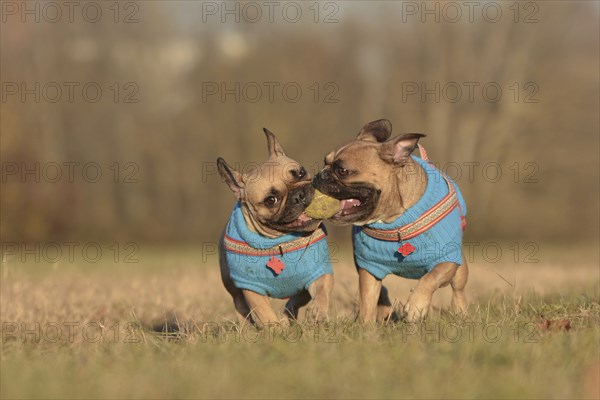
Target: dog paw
pixel 459 305
pixel 284 323
pixel 417 307
pixel 316 315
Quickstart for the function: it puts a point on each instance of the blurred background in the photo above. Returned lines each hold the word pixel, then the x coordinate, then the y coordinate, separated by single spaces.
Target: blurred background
pixel 113 114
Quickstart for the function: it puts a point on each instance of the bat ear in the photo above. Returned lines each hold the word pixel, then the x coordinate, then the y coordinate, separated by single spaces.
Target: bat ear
pixel 397 150
pixel 376 131
pixel 233 178
pixel 275 148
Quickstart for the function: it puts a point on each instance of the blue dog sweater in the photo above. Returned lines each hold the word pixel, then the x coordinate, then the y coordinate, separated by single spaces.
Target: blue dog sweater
pixel 436 235
pixel 305 258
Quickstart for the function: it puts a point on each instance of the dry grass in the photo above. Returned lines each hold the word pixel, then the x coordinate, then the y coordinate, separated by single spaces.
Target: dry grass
pixel 112 351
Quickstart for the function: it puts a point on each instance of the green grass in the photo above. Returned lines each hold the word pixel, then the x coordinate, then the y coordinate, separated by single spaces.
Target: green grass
pixel 500 353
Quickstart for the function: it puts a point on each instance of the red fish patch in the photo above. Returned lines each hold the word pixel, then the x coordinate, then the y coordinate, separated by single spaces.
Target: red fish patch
pixel 406 249
pixel 276 265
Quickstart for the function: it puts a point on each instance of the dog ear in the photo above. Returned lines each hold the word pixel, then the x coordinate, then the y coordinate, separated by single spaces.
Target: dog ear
pixel 376 131
pixel 398 149
pixel 233 178
pixel 275 148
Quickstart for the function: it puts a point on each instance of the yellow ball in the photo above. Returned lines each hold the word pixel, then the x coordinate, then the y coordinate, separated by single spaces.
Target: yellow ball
pixel 322 206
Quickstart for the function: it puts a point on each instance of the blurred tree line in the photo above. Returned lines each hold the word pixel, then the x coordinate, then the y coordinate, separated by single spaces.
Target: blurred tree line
pixel 158 126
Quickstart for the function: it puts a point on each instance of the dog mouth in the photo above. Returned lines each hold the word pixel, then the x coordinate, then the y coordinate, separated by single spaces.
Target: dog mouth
pixel 357 200
pixel 349 207
pixel 356 207
pixel 301 221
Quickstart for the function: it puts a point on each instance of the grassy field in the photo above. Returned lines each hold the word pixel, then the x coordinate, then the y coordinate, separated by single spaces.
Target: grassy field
pixel 85 330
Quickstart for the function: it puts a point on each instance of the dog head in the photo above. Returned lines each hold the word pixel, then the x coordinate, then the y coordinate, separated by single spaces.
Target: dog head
pixel 367 172
pixel 274 194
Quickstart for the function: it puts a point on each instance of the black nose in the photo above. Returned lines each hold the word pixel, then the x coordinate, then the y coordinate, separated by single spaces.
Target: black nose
pixel 299 197
pixel 324 175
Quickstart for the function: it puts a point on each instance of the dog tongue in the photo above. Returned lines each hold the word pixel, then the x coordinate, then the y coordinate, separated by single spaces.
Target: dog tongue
pixel 349 203
pixel 303 218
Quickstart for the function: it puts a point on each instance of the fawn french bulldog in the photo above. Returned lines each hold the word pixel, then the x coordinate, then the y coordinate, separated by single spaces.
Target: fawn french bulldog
pixel 270 247
pixel 408 219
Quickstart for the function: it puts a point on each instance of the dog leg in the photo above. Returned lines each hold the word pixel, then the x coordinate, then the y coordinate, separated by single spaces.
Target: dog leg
pixel 293 305
pixel 260 306
pixel 370 290
pixel 385 310
pixel 320 292
pixel 458 283
pixel 242 309
pixel 418 303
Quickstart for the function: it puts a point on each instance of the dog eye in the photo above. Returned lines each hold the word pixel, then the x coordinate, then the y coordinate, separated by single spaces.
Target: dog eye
pixel 342 171
pixel 271 201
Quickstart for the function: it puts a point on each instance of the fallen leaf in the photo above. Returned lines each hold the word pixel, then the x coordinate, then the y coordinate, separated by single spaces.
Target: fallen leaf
pixel 553 324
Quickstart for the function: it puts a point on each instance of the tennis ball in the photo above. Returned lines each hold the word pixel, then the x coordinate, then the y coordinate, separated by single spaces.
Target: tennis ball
pixel 322 206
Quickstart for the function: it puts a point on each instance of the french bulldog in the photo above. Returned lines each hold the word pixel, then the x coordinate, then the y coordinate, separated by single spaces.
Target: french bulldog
pixel 408 219
pixel 270 248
